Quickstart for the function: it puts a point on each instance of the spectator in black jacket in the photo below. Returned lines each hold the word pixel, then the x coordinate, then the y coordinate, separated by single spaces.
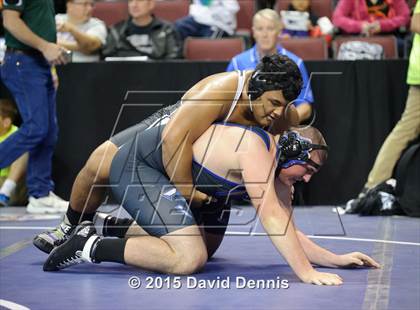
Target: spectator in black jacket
pixel 142 35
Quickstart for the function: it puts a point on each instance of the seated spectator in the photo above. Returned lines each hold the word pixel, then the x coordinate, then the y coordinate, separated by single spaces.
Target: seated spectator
pixel 12 189
pixel 142 35
pixel 266 29
pixel 79 32
pixel 302 6
pixel 370 17
pixel 209 18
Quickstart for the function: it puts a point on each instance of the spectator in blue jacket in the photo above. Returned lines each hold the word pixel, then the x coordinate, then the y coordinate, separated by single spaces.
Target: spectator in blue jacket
pixel 266 29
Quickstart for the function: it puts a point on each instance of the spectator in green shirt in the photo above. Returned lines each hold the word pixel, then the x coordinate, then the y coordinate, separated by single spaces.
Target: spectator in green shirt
pixel 30 35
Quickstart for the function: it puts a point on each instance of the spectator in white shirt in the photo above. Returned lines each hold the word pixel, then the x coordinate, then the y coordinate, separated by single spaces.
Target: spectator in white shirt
pixel 209 18
pixel 79 32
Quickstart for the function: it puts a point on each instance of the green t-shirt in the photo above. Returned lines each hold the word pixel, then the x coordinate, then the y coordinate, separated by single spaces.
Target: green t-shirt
pixel 38 15
pixel 5 171
pixel 413 76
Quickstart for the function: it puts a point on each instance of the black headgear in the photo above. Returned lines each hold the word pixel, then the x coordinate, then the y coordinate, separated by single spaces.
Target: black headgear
pixel 293 149
pixel 275 72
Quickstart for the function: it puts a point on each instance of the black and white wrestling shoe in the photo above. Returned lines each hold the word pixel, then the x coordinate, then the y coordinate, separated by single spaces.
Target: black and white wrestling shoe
pixel 106 225
pixel 76 250
pixel 47 240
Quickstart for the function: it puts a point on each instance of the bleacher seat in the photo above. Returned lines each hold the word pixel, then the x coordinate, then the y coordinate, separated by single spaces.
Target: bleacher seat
pixel 244 16
pixel 389 43
pixel 110 12
pixel 212 49
pixel 319 7
pixel 171 10
pixel 306 48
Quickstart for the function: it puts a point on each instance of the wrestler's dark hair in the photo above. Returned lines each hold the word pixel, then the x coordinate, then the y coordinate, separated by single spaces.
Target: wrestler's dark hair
pixel 8 109
pixel 276 72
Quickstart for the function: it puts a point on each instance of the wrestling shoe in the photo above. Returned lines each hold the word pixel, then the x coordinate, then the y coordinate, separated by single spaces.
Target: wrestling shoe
pixel 47 240
pixel 76 250
pixel 4 200
pixel 48 204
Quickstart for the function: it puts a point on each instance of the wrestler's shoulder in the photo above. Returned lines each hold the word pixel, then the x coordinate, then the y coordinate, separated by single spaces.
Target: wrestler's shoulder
pixel 223 80
pixel 219 77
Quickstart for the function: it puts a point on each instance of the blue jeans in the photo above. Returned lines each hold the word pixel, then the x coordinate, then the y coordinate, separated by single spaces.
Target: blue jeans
pixel 29 80
pixel 188 27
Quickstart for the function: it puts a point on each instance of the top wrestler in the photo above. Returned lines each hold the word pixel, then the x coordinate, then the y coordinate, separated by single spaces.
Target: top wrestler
pixel 261 97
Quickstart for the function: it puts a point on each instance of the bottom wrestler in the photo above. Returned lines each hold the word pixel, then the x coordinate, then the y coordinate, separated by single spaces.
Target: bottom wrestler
pixel 230 161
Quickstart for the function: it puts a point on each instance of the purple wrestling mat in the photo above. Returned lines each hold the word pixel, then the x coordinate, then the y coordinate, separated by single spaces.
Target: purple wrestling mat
pixel 245 273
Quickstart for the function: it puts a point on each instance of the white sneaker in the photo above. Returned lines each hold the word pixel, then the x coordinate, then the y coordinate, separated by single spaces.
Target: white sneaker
pixel 48 204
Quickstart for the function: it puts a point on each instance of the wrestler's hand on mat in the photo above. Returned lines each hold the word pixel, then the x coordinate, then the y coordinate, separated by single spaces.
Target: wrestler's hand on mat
pixel 355 259
pixel 322 278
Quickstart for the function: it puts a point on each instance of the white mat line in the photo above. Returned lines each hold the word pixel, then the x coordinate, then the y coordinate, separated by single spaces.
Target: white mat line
pixel 25 227
pixel 240 233
pixel 11 305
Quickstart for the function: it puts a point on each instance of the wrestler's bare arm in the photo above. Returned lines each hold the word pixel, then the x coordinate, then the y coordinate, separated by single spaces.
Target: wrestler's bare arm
pixel 257 166
pixel 315 253
pixel 205 103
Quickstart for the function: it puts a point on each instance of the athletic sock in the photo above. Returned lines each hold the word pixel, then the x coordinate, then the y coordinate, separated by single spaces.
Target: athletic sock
pixel 8 187
pixel 89 248
pixel 75 217
pixel 109 250
pixel 116 227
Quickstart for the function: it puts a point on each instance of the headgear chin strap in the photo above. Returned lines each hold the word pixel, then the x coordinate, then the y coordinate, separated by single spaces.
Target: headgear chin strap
pixel 293 149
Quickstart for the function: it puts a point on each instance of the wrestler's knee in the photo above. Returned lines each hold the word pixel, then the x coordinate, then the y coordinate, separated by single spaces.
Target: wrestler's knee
pixel 191 252
pixel 189 262
pixel 98 165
